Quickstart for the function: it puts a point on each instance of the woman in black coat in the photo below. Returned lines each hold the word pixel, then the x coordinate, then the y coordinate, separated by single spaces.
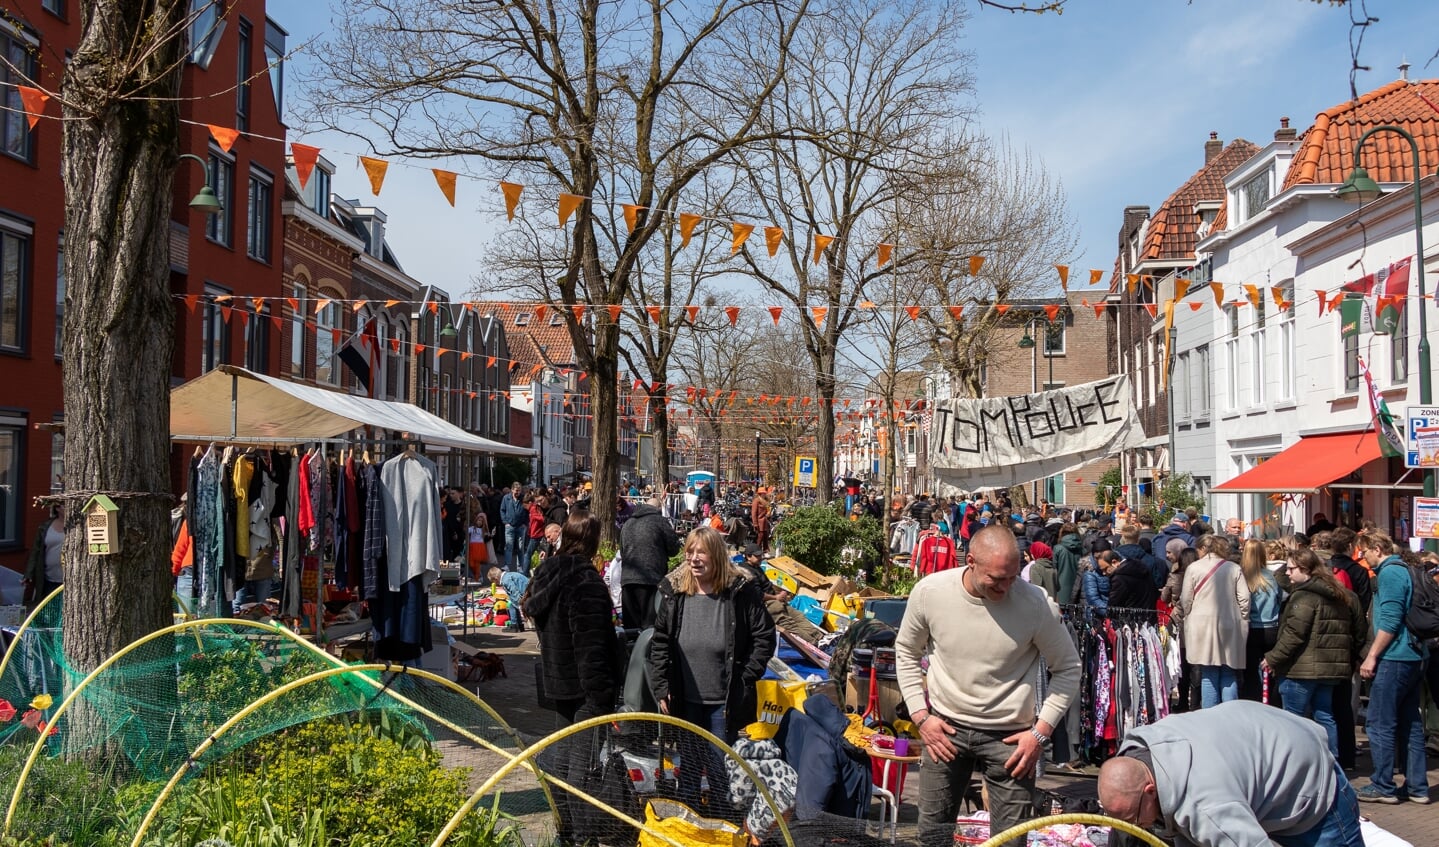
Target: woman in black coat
pixel 712 641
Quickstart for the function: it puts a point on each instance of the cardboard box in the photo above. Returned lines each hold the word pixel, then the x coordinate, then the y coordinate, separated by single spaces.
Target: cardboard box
pixel 805 577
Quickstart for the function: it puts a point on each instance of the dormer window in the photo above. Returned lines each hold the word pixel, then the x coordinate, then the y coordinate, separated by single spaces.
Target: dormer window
pixel 557 319
pixel 522 319
pixel 1254 192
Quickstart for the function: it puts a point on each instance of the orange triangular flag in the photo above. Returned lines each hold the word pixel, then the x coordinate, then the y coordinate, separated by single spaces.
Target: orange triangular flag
pixel 1095 276
pixel 883 252
pixel 1099 310
pixel 191 301
pixel 866 304
pixel 692 312
pixel 225 312
pixel 1051 310
pixel 1252 291
pixel 687 227
pixel 774 312
pixel 321 303
pixel 446 181
pixel 33 99
pixel 489 361
pixel 913 312
pixel 375 170
pixel 820 243
pixel 773 235
pixel 1152 309
pixel 1217 288
pixel 568 204
pixel 578 310
pixel 614 311
pixel 632 216
pixel 1131 280
pixel 354 307
pixel 654 313
pixel 434 307
pixel 1195 305
pixel 540 312
pixel 732 312
pixel 1001 308
pixel 305 157
pixel 1063 276
pixel 512 197
pixel 223 135
pixel 1278 294
pixel 819 312
pixel 1181 288
pixel 975 263
pixel 1323 297
pixel 956 312
pixel 741 234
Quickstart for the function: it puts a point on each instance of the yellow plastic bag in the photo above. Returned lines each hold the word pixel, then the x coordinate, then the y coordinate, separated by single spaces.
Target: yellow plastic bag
pixel 843 606
pixel 679 822
pixel 775 698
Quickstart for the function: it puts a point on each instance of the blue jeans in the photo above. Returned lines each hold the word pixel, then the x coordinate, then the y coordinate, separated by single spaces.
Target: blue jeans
pixel 1303 696
pixel 1217 684
pixel 185 590
pixel 516 537
pixel 1394 718
pixel 1339 828
pixel 531 545
pixel 698 756
pixel 254 591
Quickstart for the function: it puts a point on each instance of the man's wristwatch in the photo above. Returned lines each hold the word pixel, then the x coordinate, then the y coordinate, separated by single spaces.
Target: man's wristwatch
pixel 1039 736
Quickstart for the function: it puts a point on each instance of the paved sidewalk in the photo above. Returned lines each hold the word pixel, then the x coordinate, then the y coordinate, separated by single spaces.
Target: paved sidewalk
pixel 514 698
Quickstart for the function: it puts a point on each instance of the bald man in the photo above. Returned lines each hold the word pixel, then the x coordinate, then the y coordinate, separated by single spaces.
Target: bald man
pixel 1240 774
pixel 985 632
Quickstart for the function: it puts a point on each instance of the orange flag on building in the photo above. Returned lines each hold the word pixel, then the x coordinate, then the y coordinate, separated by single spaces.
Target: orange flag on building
pixel 223 135
pixel 568 204
pixel 1051 310
pixel 511 191
pixel 1279 302
pixel 1131 281
pixel 1195 306
pixel 540 311
pixel 1181 288
pixel 1252 292
pixel 489 361
pixel 883 253
pixel 1063 276
pixel 446 181
pixel 975 263
pixel 913 312
pixel 741 234
pixel 774 312
pixel 820 243
pixel 687 227
pixel 1099 310
pixel 732 312
pixel 33 101
pixel 773 235
pixel 578 310
pixel 305 158
pixel 375 169
pixel 1153 310
pixel 632 216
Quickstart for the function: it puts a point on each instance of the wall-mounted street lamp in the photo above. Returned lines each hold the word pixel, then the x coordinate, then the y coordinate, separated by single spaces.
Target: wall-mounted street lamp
pixel 205 201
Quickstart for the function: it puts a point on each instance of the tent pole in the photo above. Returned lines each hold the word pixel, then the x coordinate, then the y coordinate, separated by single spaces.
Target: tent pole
pixel 234 405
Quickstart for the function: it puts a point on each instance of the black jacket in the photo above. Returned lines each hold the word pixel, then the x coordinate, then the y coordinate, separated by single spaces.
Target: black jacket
pixel 1158 566
pixel 558 513
pixel 1359 576
pixel 647 541
pixel 579 653
pixel 751 644
pixel 1131 585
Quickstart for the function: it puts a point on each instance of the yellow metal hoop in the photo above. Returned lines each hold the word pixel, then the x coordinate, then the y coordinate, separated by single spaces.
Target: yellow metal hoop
pixel 1089 820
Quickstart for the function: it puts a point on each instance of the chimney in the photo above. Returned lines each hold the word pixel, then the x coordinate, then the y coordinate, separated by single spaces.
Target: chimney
pixel 1404 69
pixel 1285 132
pixel 1213 147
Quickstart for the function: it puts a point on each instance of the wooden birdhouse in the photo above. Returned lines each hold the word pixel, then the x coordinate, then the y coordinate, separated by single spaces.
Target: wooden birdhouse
pixel 102 526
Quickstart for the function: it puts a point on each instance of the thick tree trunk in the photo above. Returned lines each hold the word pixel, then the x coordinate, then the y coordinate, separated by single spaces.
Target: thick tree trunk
pixel 605 400
pixel 660 429
pixel 824 432
pixel 120 143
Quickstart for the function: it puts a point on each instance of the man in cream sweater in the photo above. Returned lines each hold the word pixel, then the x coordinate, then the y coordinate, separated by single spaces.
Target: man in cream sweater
pixel 986 632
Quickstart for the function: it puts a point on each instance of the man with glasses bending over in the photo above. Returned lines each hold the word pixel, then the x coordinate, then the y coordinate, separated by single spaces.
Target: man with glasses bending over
pixel 1240 774
pixel 986 632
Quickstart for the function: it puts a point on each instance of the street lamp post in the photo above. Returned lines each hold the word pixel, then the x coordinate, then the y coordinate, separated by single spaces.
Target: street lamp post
pixel 1364 189
pixel 757 475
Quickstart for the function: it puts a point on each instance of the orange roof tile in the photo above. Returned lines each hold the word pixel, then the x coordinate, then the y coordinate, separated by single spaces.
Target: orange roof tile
pixel 1221 218
pixel 1171 233
pixel 526 333
pixel 1326 150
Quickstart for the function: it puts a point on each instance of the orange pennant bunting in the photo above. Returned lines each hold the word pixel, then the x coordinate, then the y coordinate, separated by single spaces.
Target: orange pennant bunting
pixel 614 309
pixel 321 303
pixel 305 157
pixel 33 100
pixel 1095 276
pixel 540 311
pixel 883 253
pixel 578 310
pixel 489 361
pixel 223 135
pixel 1152 309
pixel 692 312
pixel 1181 288
pixel 820 243
pixel 732 312
pixel 1001 308
pixel 511 191
pixel 819 312
pixel 446 181
pixel 375 169
pixel 1278 294
pixel 913 312
pixel 1063 276
pixel 358 305
pixel 191 301
pixel 632 216
pixel 259 304
pixel 975 263
pixel 1131 281
pixel 1252 292
pixel 774 312
pixel 225 312
pixel 1195 305
pixel 654 313
pixel 688 220
pixel 1099 310
pixel 741 234
pixel 773 235
pixel 956 312
pixel 568 204
pixel 434 307
pixel 1217 289
pixel 1051 310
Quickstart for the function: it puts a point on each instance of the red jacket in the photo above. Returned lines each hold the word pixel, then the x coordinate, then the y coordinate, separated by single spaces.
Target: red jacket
pixel 537 522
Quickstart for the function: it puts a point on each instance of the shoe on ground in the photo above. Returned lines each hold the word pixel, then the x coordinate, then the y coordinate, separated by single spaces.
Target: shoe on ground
pixel 1421 799
pixel 1370 794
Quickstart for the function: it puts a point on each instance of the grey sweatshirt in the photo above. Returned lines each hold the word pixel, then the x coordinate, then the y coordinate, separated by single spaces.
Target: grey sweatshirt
pixel 1237 773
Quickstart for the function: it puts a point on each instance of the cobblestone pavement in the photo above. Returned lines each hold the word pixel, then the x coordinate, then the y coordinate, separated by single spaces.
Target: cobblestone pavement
pixel 514 698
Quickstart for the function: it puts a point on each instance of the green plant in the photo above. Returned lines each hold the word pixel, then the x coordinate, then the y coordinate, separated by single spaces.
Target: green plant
pixel 1177 493
pixel 823 539
pixel 509 470
pixel 1111 485
pixel 607 550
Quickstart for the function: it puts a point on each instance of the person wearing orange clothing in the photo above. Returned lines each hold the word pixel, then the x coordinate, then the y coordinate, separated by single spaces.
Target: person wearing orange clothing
pixel 182 567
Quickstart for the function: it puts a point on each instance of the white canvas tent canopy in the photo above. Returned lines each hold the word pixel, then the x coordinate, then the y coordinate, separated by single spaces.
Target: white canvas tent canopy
pixel 233 404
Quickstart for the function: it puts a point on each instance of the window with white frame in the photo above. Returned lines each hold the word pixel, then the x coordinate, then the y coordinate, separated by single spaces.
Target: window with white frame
pixel 1351 363
pixel 1399 348
pixel 1254 193
pixel 380 376
pixel 1181 387
pixel 57 461
pixel 1287 372
pixel 327 321
pixel 1201 368
pixel 1231 374
pixel 1054 336
pixel 297 331
pixel 1256 367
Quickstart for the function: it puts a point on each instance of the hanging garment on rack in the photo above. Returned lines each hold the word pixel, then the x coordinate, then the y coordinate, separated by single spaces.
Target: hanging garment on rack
pixel 354 526
pixel 933 553
pixel 376 571
pixel 342 536
pixel 290 563
pixel 402 622
pixel 208 532
pixel 322 532
pixel 306 511
pixel 241 473
pixel 233 571
pixel 414 539
pixel 903 535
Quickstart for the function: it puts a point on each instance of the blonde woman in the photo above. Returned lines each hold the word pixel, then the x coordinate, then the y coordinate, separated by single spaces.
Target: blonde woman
pixel 1215 599
pixel 1265 603
pixel 712 641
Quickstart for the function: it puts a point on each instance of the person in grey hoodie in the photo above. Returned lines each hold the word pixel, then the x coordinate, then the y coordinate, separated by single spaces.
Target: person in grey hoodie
pixel 647 541
pixel 1240 774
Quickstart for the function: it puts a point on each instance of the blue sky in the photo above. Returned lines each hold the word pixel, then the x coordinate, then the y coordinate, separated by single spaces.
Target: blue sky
pixel 1115 96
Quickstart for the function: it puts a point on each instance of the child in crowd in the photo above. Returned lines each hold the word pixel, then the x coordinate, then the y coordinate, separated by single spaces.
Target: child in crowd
pixel 514 584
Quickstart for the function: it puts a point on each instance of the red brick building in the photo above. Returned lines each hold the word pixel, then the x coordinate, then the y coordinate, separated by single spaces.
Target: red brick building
pixel 235 253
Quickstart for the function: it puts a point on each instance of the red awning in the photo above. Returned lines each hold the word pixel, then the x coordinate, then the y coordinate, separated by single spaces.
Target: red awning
pixel 1307 466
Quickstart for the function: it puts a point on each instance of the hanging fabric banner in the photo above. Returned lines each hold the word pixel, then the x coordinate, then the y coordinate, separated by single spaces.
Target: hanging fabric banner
pixel 821 242
pixel 732 312
pixel 632 216
pixel 446 181
pixel 33 100
pixel 512 197
pixel 568 204
pixel 1063 276
pixel 997 442
pixel 741 233
pixel 375 169
pixel 305 158
pixel 223 135
pixel 975 263
pixel 687 227
pixel 773 235
pixel 883 252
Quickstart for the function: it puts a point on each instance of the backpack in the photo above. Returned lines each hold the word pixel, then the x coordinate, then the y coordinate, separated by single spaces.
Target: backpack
pixel 1422 616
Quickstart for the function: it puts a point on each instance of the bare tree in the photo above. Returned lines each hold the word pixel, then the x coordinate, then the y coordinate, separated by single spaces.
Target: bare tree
pixel 872 83
pixel 716 362
pixel 609 102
